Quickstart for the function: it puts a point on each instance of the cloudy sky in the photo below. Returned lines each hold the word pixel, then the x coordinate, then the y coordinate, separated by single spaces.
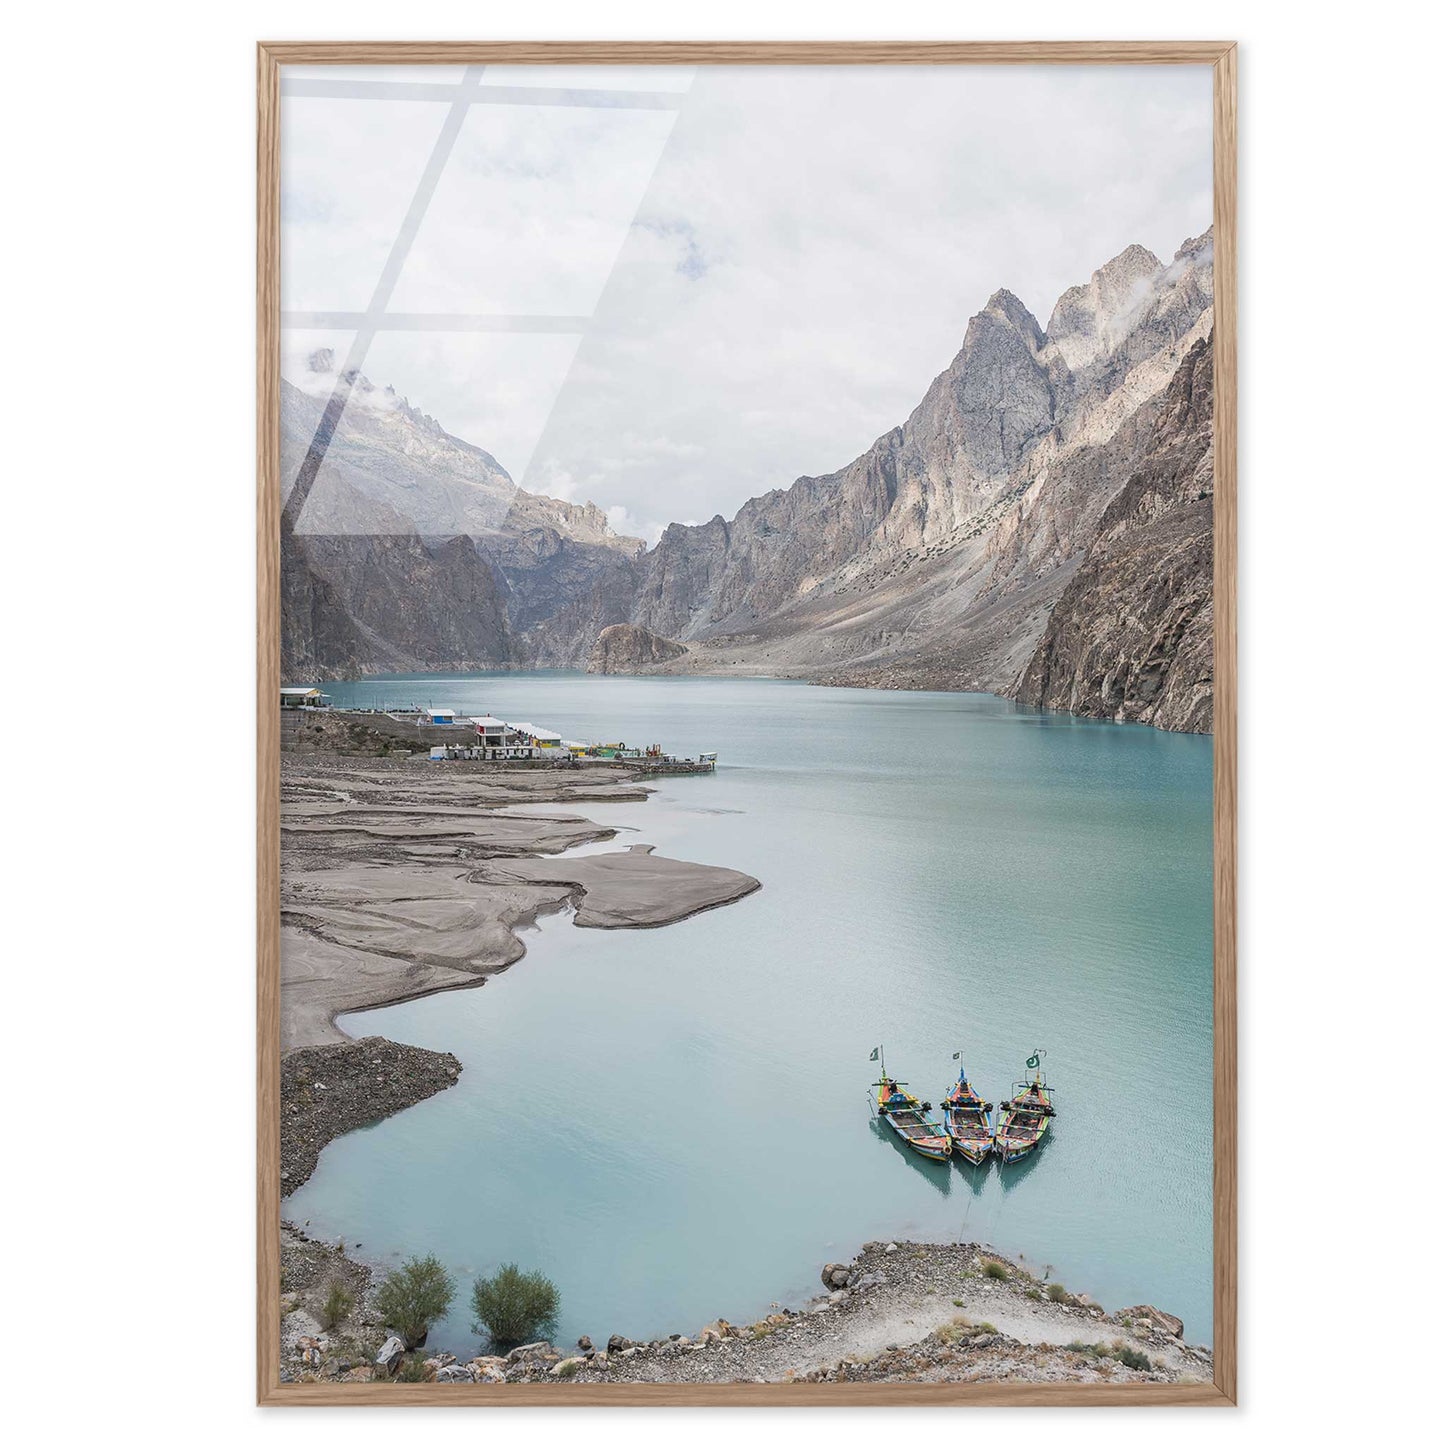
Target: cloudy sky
pixel 678 288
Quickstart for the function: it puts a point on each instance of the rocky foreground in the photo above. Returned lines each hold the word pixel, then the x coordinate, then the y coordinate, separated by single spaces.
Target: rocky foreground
pixel 899 1311
pixel 331 1089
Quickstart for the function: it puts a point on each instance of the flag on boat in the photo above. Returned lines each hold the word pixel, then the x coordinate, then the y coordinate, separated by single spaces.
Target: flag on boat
pixel 1031 1063
pixel 873 1057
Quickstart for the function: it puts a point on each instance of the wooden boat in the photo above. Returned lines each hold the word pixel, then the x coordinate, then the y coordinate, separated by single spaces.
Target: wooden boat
pixel 966 1120
pixel 1024 1120
pixel 908 1118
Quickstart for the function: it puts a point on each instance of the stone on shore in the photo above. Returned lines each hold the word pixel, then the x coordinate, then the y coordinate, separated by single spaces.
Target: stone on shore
pixel 1157 1319
pixel 388 1357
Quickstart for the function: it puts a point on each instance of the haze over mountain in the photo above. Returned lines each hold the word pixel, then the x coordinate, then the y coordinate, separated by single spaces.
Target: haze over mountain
pixel 1039 526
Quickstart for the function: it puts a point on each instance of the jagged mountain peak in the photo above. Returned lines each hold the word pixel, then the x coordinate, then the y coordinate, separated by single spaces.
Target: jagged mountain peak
pixel 1087 320
pixel 1197 248
pixel 1003 303
pixel 1131 263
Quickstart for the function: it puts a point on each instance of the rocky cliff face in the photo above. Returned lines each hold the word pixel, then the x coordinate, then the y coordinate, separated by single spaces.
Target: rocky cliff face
pixel 415 550
pixel 936 558
pixel 1044 469
pixel 625 648
pixel 1132 635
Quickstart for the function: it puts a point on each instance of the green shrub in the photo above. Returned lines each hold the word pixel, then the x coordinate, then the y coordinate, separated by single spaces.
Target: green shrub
pixel 1127 1355
pixel 1058 1294
pixel 962 1328
pixel 413 1371
pixel 1118 1350
pixel 515 1308
pixel 1034 1293
pixel 339 1301
pixel 414 1298
pixel 996 1269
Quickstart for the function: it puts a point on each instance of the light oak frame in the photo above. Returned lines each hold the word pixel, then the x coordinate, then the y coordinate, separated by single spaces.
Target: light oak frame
pixel 1222 57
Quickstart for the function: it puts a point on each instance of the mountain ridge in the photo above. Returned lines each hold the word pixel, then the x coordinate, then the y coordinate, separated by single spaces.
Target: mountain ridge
pixel 936 557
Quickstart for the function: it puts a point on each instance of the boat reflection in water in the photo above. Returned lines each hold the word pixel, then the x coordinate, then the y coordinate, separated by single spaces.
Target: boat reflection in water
pixel 941 1179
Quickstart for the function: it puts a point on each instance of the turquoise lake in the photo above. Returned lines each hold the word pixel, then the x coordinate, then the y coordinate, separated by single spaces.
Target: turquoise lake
pixel 674 1124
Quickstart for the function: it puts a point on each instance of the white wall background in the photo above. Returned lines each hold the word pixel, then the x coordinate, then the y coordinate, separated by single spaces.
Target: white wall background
pixel 128 561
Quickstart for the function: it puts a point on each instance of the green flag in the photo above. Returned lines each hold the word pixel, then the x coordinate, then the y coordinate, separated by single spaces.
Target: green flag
pixel 959 1052
pixel 873 1057
pixel 1033 1062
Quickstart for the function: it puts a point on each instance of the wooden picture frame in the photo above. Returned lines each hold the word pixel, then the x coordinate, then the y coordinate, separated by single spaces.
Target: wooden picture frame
pixel 1222 57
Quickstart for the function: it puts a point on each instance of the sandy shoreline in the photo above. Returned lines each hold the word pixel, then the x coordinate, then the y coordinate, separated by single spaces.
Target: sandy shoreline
pixel 401 878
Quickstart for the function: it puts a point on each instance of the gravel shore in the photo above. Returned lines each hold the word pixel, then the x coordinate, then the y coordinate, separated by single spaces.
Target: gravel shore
pixel 330 1089
pixel 899 1311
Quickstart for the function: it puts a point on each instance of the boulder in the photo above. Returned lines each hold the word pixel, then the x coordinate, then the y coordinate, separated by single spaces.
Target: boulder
pixel 835 1276
pixel 567 1367
pixel 388 1357
pixel 455 1374
pixel 584 1343
pixel 618 1343
pixel 535 1350
pixel 1155 1318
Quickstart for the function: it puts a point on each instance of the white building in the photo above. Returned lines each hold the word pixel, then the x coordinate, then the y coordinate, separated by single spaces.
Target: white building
pixel 303 697
pixel 501 741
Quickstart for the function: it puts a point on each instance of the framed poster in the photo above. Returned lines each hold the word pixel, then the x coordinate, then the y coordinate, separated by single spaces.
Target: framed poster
pixel 746 724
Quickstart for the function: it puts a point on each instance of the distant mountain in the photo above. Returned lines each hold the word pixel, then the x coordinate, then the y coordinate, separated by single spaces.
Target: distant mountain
pixel 936 558
pixel 414 549
pixel 1038 527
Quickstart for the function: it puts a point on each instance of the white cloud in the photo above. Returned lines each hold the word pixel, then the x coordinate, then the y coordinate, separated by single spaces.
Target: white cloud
pixel 814 242
pixel 805 257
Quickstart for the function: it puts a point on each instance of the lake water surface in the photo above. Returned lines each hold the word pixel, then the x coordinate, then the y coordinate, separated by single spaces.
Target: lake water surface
pixel 673 1124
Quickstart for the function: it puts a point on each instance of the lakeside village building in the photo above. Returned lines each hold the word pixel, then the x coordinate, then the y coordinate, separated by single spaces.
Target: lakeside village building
pixel 487 739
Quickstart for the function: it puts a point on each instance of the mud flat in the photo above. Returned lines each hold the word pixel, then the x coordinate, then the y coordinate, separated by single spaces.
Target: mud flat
pixel 402 877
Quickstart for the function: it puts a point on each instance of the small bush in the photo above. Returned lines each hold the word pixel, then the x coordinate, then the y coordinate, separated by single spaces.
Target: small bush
pixel 1034 1293
pixel 567 1369
pixel 414 1298
pixel 516 1308
pixel 1118 1350
pixel 962 1328
pixel 1058 1294
pixel 1127 1355
pixel 958 1304
pixel 413 1371
pixel 996 1269
pixel 339 1301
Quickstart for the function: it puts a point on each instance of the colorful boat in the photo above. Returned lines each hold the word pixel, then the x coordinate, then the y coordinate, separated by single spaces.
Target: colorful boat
pixel 908 1118
pixel 966 1120
pixel 1023 1121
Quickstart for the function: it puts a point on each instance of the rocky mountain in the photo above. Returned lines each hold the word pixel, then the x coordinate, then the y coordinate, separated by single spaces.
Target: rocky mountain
pixel 936 558
pixel 625 648
pixel 1037 527
pixel 1131 637
pixel 415 550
